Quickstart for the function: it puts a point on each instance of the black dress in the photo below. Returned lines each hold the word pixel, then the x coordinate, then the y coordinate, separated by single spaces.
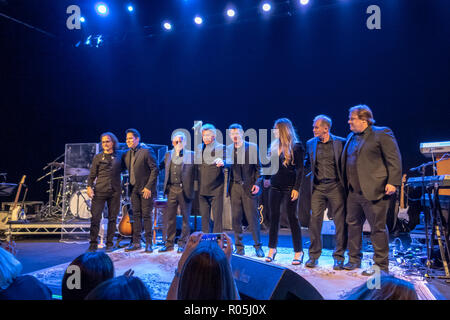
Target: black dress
pixel 286 179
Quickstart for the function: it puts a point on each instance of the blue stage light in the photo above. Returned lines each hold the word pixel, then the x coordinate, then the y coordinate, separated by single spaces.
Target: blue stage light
pixel 304 2
pixel 167 26
pixel 130 8
pixel 82 19
pixel 198 20
pixel 266 7
pixel 102 9
pixel 231 13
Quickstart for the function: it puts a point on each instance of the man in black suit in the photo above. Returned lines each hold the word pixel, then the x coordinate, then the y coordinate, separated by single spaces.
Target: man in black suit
pixel 244 181
pixel 103 186
pixel 179 188
pixel 327 189
pixel 143 172
pixel 210 164
pixel 372 170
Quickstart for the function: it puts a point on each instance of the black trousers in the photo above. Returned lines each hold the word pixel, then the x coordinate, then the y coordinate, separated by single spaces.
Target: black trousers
pixel 142 214
pixel 214 202
pixel 241 203
pixel 359 209
pixel 331 196
pixel 276 198
pixel 177 198
pixel 112 199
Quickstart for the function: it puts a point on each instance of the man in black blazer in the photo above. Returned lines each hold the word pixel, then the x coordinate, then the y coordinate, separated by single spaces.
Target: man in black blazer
pixel 372 171
pixel 244 179
pixel 179 188
pixel 143 173
pixel 210 164
pixel 322 157
pixel 103 186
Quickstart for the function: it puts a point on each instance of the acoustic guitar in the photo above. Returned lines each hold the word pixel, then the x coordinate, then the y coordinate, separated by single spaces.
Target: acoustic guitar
pixel 125 225
pixel 17 208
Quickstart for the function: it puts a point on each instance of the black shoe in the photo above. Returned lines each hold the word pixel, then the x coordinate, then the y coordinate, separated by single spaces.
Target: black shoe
pixel 149 249
pixel 338 265
pixel 271 258
pixel 351 266
pixel 110 248
pixel 180 250
pixel 259 253
pixel 297 262
pixel 239 251
pixel 92 248
pixel 166 249
pixel 311 263
pixel 133 247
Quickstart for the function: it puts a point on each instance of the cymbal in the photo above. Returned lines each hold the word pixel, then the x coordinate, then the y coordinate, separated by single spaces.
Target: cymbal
pixel 78 171
pixel 56 164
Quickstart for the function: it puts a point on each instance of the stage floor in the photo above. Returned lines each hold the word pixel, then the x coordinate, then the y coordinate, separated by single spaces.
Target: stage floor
pixel 157 269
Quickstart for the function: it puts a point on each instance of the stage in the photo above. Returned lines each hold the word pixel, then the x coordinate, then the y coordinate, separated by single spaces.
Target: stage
pixel 157 270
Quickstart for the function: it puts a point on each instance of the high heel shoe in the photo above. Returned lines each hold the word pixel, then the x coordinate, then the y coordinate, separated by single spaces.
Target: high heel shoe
pixel 271 258
pixel 296 262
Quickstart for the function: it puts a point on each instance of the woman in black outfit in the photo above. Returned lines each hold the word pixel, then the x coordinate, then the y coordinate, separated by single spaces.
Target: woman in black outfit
pixel 285 184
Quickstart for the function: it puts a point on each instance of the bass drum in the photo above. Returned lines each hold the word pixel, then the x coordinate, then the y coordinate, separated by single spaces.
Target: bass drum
pixel 80 204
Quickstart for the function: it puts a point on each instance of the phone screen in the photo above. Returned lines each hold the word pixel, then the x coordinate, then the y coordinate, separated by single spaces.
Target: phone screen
pixel 211 237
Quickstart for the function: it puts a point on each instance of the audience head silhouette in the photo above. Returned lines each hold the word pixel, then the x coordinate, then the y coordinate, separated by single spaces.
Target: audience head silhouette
pixel 207 275
pixel 93 268
pixel 120 288
pixel 391 288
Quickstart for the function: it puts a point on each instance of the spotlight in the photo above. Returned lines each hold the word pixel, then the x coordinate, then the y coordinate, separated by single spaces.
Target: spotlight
pixel 167 26
pixel 82 19
pixel 304 2
pixel 102 9
pixel 99 41
pixel 198 20
pixel 266 7
pixel 231 13
pixel 88 40
pixel 130 8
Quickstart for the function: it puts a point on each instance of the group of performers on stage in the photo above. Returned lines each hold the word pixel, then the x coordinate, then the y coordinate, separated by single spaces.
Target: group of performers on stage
pixel 352 177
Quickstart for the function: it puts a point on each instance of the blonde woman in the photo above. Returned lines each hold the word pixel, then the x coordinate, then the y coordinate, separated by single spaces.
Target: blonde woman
pixel 14 286
pixel 285 184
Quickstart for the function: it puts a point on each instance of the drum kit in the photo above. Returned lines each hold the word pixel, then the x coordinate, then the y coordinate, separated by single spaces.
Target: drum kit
pixel 68 195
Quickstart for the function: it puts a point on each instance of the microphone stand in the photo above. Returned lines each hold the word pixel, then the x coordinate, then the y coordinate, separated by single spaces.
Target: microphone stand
pixel 426 218
pixel 48 164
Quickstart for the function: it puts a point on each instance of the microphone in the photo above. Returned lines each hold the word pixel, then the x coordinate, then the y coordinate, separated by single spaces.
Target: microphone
pixel 424 165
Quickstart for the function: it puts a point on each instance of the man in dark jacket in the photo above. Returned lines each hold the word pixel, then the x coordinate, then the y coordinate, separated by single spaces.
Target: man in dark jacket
pixel 322 157
pixel 143 173
pixel 244 181
pixel 372 171
pixel 179 188
pixel 210 164
pixel 104 186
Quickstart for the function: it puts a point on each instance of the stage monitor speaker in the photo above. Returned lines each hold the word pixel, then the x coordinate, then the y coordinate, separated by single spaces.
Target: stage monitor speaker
pixel 257 280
